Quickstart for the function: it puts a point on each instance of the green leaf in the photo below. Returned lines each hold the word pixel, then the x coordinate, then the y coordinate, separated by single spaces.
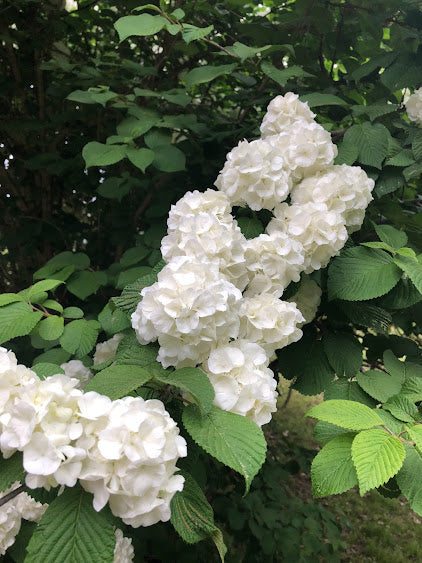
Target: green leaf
pixel 388 182
pixel 415 433
pixel 63 263
pixel 348 153
pixel 169 158
pixel 250 227
pixel 51 328
pixel 332 470
pixel 141 158
pixel 234 440
pixel 45 369
pixel 85 283
pixel 344 352
pixel 317 99
pixel 410 485
pixel 374 110
pixel 368 315
pixel 195 382
pixel 347 414
pixel 72 531
pixel 349 391
pixel 361 273
pixel 402 159
pixel 417 145
pixel 402 408
pixel 79 337
pixel 7 298
pixel 412 268
pixel 377 457
pixel 134 255
pixel 113 320
pixel 192 516
pixel 283 76
pixel 394 366
pixel 403 295
pixel 53 305
pixel 379 244
pixel 118 381
pixel 192 33
pixel 98 154
pixel 412 389
pixel 139 26
pixel 324 431
pixel 73 313
pixel 17 319
pixel 11 470
pixel 244 51
pixel 41 286
pixel 316 372
pixel 206 73
pixel 378 384
pixel 372 141
pixel 391 236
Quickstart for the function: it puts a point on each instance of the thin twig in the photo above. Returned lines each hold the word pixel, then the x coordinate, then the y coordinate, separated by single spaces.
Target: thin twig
pixel 13 494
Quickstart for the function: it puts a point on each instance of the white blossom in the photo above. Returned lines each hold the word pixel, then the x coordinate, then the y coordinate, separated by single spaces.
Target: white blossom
pixel 105 351
pixel 255 174
pixel 282 114
pixel 321 232
pixel 191 309
pixel 344 189
pixel 123 550
pixel 273 261
pixel 414 106
pixel 242 381
pixel 77 370
pixel 307 299
pixel 192 203
pixel 269 322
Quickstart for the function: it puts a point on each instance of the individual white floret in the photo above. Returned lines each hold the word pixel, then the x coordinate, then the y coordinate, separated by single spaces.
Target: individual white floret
pixel 105 351
pixel 307 299
pixel 132 450
pixel 273 261
pixel 255 174
pixel 269 322
pixel 207 239
pixel 282 114
pixel 123 550
pixel 77 370
pixel 191 309
pixel 321 232
pixel 414 106
pixel 11 514
pixel 242 381
pixel 306 148
pixel 344 189
pixel 192 203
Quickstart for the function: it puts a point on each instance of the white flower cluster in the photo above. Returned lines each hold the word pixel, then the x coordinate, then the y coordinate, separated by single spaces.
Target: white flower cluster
pixel 123 550
pixel 12 512
pixel 105 351
pixel 124 451
pixel 197 311
pixel 307 299
pixel 414 106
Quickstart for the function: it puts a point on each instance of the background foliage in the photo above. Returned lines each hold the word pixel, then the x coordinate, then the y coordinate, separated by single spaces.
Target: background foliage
pixel 105 125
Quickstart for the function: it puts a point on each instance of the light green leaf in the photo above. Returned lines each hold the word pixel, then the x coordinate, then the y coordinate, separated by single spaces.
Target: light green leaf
pixel 79 337
pixel 234 440
pixel 244 51
pixel 415 433
pixel 53 305
pixel 41 286
pixel 349 391
pixel 206 73
pixel 347 414
pixel 192 516
pixel 139 26
pixel 284 75
pixel 317 99
pixel 147 7
pixel 324 431
pixel 168 158
pixel 372 141
pixel 412 389
pixel 402 408
pixel 118 381
pixel 408 478
pixel 45 369
pixel 250 227
pixel 113 320
pixel 73 313
pixel 194 381
pixel 391 236
pixel 72 531
pixel 7 298
pixel 377 457
pixel 332 470
pixel 412 268
pixel 131 295
pixel 344 352
pixel 141 158
pixel 98 154
pixel 361 273
pixel 379 384
pixel 191 32
pixel 11 470
pixel 379 244
pixel 85 283
pixel 54 356
pixel 17 319
pixel 51 328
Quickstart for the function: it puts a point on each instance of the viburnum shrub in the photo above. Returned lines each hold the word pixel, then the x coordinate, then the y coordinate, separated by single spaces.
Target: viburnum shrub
pixel 272 272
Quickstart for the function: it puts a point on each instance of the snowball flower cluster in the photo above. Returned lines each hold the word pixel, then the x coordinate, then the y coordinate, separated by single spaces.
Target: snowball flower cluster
pixel 123 550
pixel 124 451
pixel 105 351
pixel 219 294
pixel 414 106
pixel 12 512
pixel 307 299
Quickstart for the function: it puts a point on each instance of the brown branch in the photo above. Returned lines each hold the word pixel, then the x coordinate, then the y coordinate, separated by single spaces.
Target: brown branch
pixel 13 494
